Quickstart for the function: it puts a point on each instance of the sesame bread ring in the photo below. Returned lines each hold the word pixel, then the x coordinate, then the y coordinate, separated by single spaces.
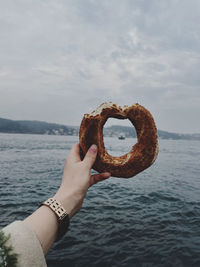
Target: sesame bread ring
pixel 142 154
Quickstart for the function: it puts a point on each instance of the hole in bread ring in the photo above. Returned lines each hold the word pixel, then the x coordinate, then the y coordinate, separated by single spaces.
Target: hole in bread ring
pixel 119 136
pixel 142 154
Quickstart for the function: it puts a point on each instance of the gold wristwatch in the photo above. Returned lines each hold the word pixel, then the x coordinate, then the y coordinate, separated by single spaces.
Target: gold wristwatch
pixel 61 214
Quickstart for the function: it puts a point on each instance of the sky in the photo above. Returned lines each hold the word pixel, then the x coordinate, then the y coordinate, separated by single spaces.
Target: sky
pixel 60 59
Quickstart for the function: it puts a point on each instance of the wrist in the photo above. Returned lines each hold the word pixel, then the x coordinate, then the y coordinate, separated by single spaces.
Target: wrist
pixel 70 202
pixel 61 214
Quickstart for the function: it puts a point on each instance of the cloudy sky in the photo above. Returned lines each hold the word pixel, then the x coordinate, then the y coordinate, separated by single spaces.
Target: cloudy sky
pixel 60 59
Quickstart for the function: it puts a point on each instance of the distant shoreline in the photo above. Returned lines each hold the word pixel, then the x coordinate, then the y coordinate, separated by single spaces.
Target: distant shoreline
pixel 45 128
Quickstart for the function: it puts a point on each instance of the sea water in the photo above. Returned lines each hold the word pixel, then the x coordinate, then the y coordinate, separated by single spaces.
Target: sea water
pixel 152 219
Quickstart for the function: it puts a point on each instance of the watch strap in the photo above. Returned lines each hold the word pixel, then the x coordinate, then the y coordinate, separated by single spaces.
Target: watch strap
pixel 61 214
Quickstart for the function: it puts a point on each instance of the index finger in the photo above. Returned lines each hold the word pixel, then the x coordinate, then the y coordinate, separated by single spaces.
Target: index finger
pixel 74 154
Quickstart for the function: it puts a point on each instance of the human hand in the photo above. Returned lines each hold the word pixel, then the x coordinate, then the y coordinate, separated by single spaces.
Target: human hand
pixel 77 179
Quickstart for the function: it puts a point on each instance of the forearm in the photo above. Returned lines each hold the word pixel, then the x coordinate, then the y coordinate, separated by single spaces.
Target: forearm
pixel 44 221
pixel 75 183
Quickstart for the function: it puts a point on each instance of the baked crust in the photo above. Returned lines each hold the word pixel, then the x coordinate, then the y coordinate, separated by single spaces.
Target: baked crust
pixel 142 154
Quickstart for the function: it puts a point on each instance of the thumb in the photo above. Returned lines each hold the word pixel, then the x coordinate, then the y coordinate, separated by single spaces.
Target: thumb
pixel 90 156
pixel 95 178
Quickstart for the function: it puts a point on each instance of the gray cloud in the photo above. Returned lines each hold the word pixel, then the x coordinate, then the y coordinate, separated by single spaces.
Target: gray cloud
pixel 60 59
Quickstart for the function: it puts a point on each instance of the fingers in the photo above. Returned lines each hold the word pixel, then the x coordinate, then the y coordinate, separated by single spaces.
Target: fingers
pixel 90 156
pixel 99 177
pixel 74 154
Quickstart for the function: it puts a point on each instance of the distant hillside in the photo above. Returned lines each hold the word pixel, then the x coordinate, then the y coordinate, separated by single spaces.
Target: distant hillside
pixel 116 130
pixel 35 127
pixel 39 127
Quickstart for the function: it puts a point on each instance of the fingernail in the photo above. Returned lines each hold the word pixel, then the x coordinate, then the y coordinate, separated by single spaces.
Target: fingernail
pixel 107 174
pixel 93 149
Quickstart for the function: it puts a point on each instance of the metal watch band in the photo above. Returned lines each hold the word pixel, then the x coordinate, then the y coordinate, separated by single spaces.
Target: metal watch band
pixel 61 214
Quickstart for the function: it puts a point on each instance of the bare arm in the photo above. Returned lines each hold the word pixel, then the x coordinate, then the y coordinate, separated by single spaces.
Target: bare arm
pixel 76 180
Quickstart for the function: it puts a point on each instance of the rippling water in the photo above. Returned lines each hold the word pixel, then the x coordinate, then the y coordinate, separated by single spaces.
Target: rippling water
pixel 152 219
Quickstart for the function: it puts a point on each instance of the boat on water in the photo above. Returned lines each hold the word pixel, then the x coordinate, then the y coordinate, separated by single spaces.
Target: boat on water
pixel 121 137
